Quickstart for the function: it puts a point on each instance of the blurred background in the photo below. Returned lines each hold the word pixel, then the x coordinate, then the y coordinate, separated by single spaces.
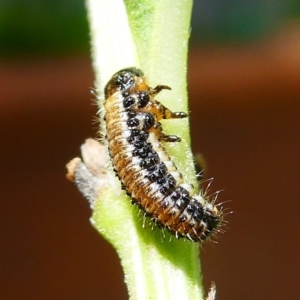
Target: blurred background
pixel 244 86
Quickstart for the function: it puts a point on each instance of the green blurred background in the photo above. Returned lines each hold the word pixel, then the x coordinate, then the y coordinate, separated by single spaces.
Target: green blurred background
pixel 58 27
pixel 244 87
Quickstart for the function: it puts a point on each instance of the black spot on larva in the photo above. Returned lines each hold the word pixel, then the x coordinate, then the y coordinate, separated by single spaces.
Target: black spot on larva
pixel 211 221
pixel 143 164
pixel 137 135
pixel 156 172
pixel 153 158
pixel 128 102
pixel 180 193
pixel 143 98
pixel 167 183
pixel 182 203
pixel 149 161
pixel 181 198
pixel 148 121
pixel 143 136
pixel 133 122
pixel 176 195
pixel 143 151
pixel 191 207
pixel 138 144
pixel 198 213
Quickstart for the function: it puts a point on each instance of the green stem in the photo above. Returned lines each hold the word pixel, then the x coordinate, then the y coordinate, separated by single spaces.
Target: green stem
pixel 152 35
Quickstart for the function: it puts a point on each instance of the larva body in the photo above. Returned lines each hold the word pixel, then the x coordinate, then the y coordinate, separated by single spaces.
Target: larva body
pixel 142 164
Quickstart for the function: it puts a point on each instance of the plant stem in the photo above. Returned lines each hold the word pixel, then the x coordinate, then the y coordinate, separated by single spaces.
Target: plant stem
pixel 152 35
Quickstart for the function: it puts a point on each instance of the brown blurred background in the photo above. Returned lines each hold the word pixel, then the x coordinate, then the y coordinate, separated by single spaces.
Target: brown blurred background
pixel 244 85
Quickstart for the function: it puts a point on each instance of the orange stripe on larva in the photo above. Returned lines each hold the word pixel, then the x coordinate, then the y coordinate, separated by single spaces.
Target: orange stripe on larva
pixel 143 165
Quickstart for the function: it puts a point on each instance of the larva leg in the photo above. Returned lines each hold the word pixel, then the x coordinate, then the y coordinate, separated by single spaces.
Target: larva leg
pixel 165 112
pixel 168 114
pixel 158 89
pixel 157 128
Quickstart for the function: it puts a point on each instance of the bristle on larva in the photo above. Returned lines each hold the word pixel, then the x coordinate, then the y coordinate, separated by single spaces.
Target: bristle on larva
pixel 142 164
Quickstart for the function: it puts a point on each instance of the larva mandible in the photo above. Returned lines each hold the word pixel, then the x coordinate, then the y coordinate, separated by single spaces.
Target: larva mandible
pixel 142 164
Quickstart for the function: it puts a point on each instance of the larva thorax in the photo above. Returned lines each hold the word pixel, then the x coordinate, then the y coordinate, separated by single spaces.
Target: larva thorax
pixel 142 164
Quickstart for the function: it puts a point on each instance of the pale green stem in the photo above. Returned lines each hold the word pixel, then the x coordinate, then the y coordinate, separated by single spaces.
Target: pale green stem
pixel 152 35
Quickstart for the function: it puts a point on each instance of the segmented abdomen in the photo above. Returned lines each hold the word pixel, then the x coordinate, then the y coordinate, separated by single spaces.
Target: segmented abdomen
pixel 142 164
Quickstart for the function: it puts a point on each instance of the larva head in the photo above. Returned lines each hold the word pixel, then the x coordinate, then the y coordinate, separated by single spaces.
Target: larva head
pixel 124 80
